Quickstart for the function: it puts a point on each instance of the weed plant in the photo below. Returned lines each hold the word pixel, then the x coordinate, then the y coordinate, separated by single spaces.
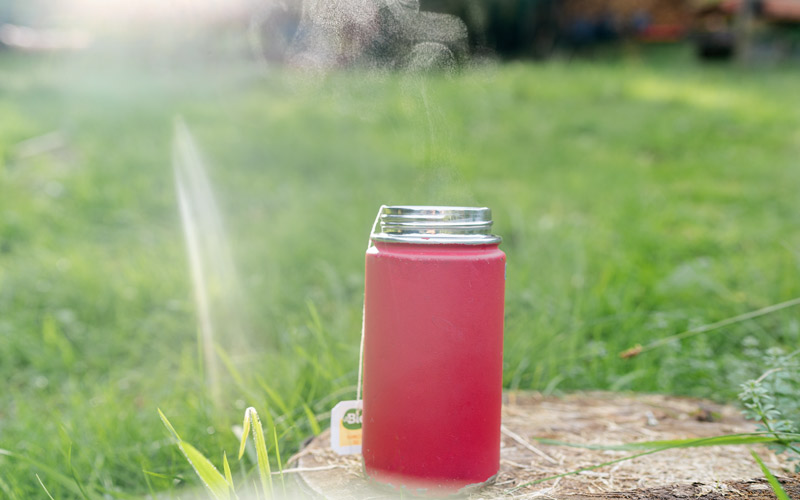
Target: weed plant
pixel 771 400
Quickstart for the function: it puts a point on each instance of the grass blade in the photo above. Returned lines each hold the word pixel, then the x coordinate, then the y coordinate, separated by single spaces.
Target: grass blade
pixel 638 349
pixel 264 472
pixel 228 476
pixel 146 475
pixel 776 486
pixel 312 419
pixel 234 372
pixel 202 466
pixel 724 440
pixel 44 487
pixel 278 455
pixel 74 474
pixel 245 432
pixel 168 425
pixel 274 396
pixel 227 469
pixel 160 476
pixel 206 471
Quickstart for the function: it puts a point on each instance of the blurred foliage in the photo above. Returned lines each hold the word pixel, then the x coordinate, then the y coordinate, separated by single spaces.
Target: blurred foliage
pixel 507 27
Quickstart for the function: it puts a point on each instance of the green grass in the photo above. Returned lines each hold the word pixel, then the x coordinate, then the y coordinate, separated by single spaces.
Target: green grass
pixel 635 201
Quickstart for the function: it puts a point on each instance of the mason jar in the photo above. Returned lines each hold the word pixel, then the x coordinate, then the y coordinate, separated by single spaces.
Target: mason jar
pixel 433 349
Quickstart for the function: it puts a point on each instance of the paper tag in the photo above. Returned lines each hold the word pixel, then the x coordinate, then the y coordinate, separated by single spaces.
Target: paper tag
pixel 346 428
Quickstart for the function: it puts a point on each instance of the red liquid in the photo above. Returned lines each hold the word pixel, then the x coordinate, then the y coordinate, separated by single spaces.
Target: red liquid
pixel 433 363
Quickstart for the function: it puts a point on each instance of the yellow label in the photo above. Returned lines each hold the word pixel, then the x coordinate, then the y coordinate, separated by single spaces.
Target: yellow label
pixel 349 437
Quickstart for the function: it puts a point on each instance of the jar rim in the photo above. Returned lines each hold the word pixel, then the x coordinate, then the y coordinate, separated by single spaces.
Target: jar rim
pixel 435 225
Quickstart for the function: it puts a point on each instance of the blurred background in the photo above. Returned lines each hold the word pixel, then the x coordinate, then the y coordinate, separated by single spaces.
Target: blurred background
pixel 187 188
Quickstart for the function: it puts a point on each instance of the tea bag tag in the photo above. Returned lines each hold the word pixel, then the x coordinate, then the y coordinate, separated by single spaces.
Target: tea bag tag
pixel 346 428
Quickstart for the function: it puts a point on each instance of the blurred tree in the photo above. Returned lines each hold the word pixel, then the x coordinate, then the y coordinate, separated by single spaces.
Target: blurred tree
pixel 369 33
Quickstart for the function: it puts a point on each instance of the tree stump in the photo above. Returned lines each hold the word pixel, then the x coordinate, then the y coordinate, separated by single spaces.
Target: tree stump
pixel 711 473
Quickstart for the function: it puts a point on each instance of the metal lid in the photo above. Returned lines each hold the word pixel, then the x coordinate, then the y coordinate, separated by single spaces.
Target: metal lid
pixel 436 225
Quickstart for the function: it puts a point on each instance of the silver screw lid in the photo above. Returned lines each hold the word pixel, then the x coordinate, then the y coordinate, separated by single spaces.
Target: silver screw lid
pixel 435 225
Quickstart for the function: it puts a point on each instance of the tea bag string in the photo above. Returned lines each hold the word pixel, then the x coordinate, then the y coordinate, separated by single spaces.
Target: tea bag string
pixel 364 316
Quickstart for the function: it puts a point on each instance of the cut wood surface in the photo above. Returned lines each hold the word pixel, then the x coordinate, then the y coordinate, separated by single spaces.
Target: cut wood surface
pixel 714 472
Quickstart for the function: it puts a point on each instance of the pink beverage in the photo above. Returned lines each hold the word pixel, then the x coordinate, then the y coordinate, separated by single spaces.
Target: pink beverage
pixel 433 352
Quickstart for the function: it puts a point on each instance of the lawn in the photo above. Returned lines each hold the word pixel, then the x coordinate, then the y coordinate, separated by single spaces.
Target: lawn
pixel 636 200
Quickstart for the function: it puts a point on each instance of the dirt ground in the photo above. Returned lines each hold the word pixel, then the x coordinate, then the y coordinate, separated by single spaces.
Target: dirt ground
pixel 709 473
